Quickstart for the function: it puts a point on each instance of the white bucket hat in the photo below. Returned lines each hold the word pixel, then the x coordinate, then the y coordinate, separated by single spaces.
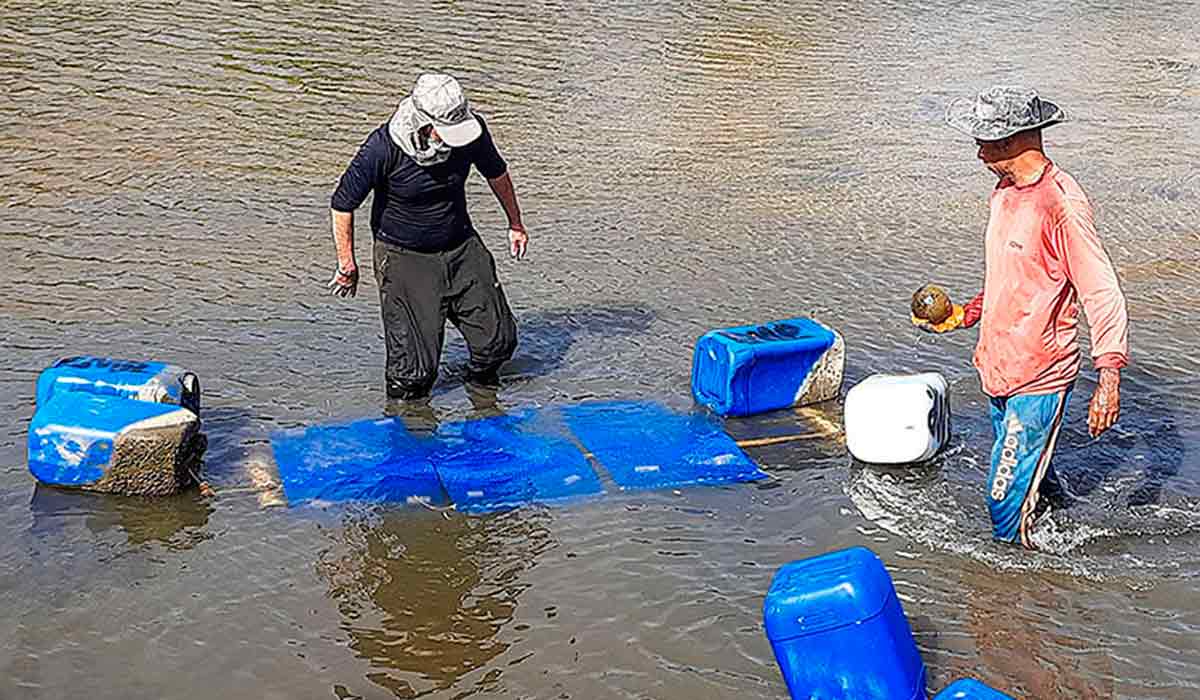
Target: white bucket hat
pixel 440 98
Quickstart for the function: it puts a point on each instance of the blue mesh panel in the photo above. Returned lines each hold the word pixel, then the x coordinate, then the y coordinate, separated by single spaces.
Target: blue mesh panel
pixel 367 460
pixel 506 461
pixel 644 445
pixel 510 460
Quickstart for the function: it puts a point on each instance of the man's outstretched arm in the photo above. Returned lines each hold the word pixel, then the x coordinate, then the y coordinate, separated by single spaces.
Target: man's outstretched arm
pixel 1091 272
pixel 518 238
pixel 345 278
pixel 369 166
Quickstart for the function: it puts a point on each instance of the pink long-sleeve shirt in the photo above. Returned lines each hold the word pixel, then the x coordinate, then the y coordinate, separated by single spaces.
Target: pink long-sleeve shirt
pixel 1044 258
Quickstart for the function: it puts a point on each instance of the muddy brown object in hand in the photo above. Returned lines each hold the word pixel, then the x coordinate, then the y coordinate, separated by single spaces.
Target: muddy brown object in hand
pixel 157 461
pixel 931 303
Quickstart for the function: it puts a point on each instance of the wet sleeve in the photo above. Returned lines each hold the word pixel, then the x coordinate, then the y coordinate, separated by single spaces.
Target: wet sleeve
pixel 488 160
pixel 1091 272
pixel 973 311
pixel 365 170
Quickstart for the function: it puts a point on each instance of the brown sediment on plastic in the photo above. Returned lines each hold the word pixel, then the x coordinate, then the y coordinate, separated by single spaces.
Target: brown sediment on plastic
pixel 931 303
pixel 157 461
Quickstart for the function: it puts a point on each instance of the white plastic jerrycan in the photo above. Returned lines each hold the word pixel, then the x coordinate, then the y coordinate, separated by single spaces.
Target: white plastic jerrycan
pixel 897 419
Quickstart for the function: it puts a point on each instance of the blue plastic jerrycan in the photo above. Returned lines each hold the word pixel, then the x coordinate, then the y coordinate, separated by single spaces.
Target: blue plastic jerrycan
pixel 838 631
pixel 753 369
pixel 970 689
pixel 155 382
pixel 73 436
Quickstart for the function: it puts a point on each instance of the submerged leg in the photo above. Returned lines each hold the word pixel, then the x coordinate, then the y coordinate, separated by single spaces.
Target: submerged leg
pixel 1025 438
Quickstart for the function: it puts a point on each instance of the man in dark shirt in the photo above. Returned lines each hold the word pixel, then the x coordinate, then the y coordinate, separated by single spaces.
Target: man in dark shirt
pixel 429 261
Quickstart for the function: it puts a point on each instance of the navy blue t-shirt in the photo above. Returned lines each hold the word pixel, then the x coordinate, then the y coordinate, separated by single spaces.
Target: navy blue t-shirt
pixel 422 208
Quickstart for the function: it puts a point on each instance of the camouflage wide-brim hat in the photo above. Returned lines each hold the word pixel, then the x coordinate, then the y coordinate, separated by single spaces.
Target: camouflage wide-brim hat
pixel 1000 112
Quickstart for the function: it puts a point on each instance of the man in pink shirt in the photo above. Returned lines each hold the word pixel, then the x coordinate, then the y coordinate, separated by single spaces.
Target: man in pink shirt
pixel 1044 259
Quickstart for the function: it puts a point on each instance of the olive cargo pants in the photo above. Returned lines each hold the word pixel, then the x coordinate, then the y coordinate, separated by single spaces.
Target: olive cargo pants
pixel 419 292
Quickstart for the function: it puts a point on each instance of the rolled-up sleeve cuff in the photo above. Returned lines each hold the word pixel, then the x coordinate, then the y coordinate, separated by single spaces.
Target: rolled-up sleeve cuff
pixel 1111 360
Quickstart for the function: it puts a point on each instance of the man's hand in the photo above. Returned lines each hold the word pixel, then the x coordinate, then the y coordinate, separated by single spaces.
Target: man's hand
pixel 345 281
pixel 345 276
pixel 955 320
pixel 1105 408
pixel 518 242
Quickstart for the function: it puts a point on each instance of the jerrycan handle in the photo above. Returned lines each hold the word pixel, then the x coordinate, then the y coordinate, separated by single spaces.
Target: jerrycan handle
pixel 189 397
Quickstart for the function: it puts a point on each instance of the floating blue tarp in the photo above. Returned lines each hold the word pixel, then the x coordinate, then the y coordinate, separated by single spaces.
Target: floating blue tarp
pixel 495 463
pixel 647 446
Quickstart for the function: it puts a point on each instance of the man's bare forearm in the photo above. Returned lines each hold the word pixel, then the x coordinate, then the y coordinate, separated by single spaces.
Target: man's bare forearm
pixel 502 187
pixel 343 238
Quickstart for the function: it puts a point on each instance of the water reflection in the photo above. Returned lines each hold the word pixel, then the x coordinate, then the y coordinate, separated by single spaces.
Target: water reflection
pixel 1025 651
pixel 175 522
pixel 424 596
